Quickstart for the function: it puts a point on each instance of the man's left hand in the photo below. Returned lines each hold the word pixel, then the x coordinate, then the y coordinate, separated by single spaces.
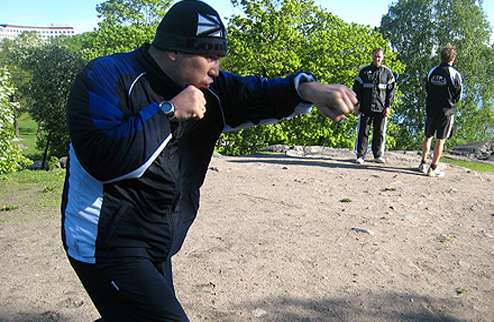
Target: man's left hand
pixel 387 111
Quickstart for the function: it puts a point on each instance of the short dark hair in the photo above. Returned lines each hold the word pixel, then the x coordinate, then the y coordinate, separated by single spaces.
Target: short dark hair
pixel 377 50
pixel 448 53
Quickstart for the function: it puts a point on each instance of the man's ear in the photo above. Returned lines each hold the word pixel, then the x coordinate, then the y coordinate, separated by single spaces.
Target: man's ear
pixel 172 55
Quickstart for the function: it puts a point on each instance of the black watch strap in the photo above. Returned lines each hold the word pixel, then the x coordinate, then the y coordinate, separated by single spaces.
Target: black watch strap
pixel 169 109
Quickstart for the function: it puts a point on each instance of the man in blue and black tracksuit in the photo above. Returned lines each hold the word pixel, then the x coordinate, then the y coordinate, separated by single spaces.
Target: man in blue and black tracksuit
pixel 142 128
pixel 444 89
pixel 375 88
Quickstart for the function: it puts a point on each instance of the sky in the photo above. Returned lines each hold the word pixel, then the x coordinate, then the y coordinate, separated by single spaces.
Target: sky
pixel 82 14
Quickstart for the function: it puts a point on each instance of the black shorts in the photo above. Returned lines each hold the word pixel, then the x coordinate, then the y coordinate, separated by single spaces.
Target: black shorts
pixel 441 125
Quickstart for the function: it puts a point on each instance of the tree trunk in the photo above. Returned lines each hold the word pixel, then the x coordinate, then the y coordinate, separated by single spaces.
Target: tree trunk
pixel 16 126
pixel 40 128
pixel 16 116
pixel 45 155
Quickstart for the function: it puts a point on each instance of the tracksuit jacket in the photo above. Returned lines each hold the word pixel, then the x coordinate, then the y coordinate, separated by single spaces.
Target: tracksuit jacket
pixel 444 89
pixel 375 88
pixel 133 177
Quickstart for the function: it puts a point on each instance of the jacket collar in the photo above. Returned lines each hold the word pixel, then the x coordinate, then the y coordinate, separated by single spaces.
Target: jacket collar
pixel 154 71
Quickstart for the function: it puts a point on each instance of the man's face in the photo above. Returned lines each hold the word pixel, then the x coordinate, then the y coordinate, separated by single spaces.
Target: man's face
pixel 196 70
pixel 377 58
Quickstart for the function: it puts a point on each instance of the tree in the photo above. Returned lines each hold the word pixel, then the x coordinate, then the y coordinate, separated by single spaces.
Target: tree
pixel 11 55
pixel 48 69
pixel 45 70
pixel 126 25
pixel 49 90
pixel 417 30
pixel 275 38
pixel 132 12
pixel 113 39
pixel 11 158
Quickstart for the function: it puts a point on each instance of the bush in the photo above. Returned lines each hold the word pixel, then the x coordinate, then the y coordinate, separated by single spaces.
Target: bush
pixel 11 158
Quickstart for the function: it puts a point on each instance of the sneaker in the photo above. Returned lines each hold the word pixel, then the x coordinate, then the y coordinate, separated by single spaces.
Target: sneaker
pixel 435 173
pixel 422 168
pixel 359 160
pixel 379 160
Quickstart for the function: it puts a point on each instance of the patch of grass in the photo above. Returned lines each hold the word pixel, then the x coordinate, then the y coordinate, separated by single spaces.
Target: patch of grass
pixel 34 177
pixel 461 290
pixel 346 200
pixel 24 193
pixel 27 132
pixel 8 208
pixel 48 189
pixel 476 166
pixel 446 238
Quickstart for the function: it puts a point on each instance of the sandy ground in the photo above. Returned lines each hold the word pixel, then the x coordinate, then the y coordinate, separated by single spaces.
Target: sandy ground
pixel 295 238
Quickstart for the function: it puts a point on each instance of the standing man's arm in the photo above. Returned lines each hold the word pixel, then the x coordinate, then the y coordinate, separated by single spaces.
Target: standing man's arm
pixel 390 95
pixel 458 87
pixel 358 86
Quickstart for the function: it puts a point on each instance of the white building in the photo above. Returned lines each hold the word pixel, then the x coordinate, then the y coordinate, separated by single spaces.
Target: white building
pixel 11 31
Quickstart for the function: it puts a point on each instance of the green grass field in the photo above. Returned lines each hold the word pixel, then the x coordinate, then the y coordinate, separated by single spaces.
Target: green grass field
pixel 476 166
pixel 34 189
pixel 27 132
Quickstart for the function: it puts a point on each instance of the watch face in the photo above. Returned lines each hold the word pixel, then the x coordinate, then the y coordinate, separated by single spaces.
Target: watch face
pixel 167 107
pixel 169 110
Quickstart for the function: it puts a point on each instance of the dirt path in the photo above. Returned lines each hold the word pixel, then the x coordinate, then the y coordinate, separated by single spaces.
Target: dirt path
pixel 297 238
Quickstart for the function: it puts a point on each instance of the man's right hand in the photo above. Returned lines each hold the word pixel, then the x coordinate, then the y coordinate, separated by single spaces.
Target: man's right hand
pixel 190 103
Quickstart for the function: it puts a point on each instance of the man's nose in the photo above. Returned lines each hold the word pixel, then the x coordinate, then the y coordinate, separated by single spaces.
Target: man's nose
pixel 215 69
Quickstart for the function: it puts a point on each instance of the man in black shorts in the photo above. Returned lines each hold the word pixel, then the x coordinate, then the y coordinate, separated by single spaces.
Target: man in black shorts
pixel 444 88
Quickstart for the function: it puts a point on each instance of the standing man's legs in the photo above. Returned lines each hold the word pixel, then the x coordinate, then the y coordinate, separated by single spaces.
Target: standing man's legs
pixel 434 171
pixel 426 146
pixel 443 126
pixel 363 135
pixel 438 151
pixel 430 129
pixel 379 136
pixel 444 131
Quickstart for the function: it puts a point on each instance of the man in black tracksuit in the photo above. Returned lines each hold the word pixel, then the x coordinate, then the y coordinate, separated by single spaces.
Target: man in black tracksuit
pixel 142 128
pixel 375 88
pixel 444 88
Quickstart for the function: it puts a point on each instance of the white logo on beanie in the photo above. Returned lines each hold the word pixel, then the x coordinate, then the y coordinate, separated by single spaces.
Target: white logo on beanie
pixel 208 26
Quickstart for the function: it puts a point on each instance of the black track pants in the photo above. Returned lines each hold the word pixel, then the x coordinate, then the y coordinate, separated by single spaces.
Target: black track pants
pixel 379 123
pixel 131 290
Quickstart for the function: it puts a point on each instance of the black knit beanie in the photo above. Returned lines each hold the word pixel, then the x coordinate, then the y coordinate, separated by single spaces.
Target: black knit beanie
pixel 193 27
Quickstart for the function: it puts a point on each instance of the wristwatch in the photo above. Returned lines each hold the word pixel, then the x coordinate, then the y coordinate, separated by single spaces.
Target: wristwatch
pixel 169 109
